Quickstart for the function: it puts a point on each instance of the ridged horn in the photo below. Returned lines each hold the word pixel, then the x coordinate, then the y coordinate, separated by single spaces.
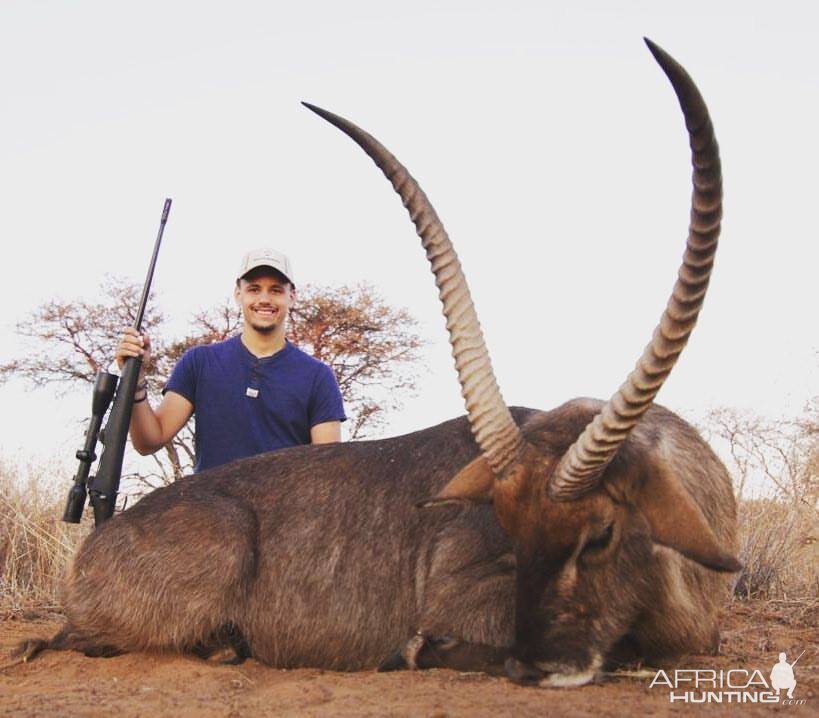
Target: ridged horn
pixel 581 467
pixel 495 431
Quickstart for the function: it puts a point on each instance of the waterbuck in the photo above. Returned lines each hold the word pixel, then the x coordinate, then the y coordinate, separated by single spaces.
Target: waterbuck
pixel 552 542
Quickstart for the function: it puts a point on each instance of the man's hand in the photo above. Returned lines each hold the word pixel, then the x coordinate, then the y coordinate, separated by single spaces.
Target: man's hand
pixel 134 344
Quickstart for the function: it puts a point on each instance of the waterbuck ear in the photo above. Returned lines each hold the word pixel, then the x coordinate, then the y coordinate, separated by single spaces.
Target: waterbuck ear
pixel 677 522
pixel 472 483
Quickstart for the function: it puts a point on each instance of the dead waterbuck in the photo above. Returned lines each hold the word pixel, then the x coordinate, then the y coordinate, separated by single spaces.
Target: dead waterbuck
pixel 557 541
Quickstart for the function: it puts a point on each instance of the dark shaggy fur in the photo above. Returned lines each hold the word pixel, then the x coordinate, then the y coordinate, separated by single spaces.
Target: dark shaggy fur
pixel 317 556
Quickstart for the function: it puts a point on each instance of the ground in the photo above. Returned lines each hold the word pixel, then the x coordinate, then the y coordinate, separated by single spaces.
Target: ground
pixel 69 684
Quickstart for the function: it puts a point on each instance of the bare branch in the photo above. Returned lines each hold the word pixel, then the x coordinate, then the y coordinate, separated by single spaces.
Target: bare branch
pixel 372 348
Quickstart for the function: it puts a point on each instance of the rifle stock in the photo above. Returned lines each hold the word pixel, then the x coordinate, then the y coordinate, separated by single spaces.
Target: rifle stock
pixel 104 387
pixel 103 488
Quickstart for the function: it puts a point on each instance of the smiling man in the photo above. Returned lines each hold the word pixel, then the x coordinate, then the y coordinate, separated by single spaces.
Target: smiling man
pixel 252 393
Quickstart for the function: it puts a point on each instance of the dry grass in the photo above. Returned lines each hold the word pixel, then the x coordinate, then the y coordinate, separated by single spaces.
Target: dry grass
pixel 779 550
pixel 35 545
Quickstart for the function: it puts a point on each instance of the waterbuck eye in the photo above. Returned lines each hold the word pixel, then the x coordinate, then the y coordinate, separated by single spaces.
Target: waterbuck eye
pixel 600 541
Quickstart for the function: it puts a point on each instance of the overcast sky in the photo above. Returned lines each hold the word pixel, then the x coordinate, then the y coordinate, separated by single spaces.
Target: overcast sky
pixel 543 132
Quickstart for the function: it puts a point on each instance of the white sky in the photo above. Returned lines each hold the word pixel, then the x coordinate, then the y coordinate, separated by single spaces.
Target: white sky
pixel 543 132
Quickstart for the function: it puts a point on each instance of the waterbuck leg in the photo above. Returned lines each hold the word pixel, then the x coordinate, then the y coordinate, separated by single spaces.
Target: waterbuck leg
pixel 67 638
pixel 462 656
pixel 394 662
pixel 226 645
pixel 422 652
pixel 626 652
pixel 94 651
pixel 406 658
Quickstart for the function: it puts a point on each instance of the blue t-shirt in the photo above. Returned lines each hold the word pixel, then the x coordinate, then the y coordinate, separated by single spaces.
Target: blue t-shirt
pixel 245 405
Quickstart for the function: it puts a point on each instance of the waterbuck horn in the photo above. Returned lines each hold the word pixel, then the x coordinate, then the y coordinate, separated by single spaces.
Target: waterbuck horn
pixel 492 425
pixel 581 467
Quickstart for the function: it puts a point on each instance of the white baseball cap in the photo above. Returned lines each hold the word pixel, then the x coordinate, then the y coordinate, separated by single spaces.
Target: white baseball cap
pixel 266 257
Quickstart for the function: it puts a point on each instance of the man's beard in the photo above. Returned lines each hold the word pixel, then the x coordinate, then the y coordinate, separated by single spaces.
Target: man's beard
pixel 264 328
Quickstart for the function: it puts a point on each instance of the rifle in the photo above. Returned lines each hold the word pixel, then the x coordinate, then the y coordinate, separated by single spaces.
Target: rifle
pixel 797 658
pixel 104 486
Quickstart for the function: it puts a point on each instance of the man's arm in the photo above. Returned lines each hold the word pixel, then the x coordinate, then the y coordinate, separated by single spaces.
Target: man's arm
pixel 151 430
pixel 325 433
pixel 326 408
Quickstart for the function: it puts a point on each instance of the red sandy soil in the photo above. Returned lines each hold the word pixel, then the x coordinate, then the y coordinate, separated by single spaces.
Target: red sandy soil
pixel 69 684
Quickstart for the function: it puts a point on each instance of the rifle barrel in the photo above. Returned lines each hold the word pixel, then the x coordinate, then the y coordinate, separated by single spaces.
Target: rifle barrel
pixel 143 300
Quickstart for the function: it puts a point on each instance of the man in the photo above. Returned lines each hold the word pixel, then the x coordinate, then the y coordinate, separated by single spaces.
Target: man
pixel 782 677
pixel 252 393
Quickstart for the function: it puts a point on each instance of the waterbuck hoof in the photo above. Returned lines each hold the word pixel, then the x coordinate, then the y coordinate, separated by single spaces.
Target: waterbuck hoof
pixel 522 673
pixel 395 662
pixel 28 649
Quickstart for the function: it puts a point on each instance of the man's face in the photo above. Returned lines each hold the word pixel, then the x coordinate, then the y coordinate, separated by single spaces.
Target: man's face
pixel 265 298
